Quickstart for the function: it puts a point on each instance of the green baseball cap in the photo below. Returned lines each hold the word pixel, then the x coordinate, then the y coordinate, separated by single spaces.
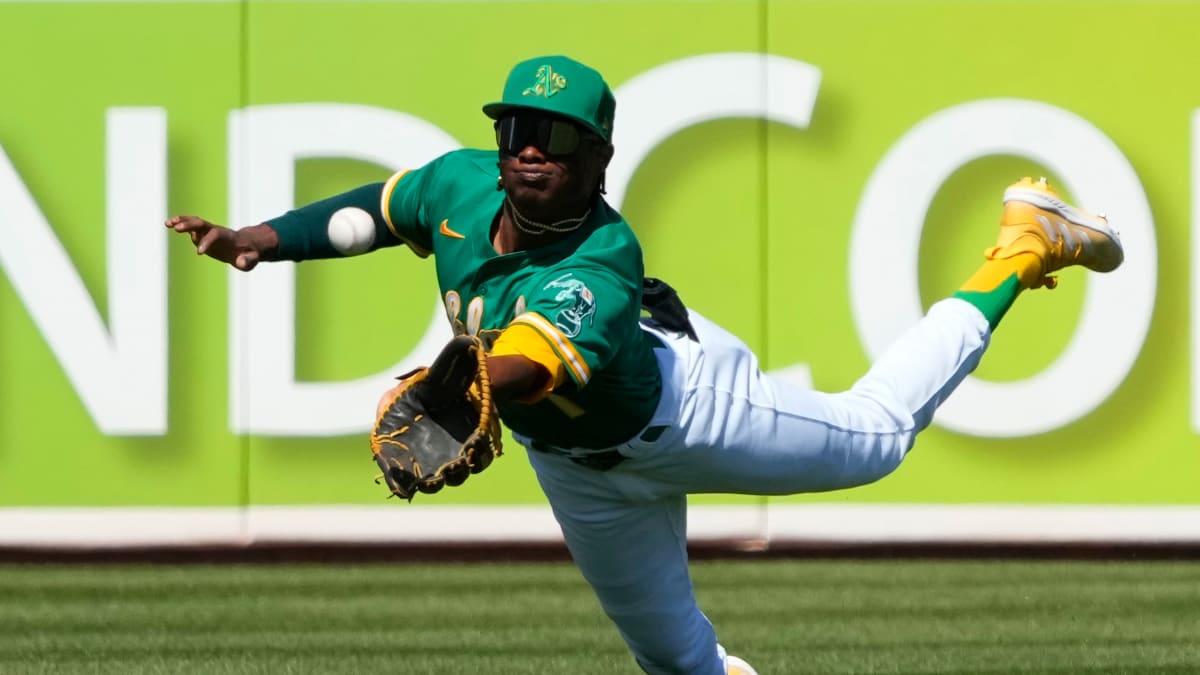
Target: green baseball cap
pixel 562 86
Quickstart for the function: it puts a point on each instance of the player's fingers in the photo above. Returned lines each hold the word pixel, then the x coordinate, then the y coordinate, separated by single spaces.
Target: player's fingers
pixel 186 223
pixel 386 399
pixel 246 261
pixel 207 240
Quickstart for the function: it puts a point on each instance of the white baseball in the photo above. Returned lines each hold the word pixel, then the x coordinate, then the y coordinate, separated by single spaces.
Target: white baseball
pixel 351 230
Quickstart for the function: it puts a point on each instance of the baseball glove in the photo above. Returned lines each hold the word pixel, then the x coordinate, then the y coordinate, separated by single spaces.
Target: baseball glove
pixel 440 425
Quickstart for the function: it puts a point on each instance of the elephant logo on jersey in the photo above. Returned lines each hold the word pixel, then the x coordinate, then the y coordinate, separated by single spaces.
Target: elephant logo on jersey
pixel 583 304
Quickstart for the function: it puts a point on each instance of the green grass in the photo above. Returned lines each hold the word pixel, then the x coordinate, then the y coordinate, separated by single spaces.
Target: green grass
pixel 784 616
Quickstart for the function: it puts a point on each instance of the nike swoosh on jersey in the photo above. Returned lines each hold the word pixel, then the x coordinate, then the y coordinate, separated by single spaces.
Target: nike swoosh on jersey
pixel 445 229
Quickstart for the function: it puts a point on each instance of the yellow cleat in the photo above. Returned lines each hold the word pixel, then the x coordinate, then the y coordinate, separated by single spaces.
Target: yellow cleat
pixel 1037 221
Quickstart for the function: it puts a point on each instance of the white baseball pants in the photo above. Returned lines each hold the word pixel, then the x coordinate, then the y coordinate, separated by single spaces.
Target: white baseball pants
pixel 732 429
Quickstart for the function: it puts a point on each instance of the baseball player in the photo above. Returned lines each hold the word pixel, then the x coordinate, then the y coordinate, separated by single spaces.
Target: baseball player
pixel 622 416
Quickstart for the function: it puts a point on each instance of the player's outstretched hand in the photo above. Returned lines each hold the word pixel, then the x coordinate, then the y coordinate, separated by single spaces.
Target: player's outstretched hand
pixel 243 248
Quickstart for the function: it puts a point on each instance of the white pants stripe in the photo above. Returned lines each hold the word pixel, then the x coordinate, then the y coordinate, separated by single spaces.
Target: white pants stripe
pixel 733 429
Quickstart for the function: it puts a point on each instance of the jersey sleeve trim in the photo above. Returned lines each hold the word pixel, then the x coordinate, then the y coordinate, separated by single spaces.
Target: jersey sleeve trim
pixel 523 340
pixel 385 207
pixel 576 366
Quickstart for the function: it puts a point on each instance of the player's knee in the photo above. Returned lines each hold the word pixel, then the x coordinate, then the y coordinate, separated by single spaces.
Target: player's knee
pixel 875 469
pixel 870 460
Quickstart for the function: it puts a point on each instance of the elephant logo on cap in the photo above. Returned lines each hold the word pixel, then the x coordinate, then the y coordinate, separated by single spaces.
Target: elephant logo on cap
pixel 546 83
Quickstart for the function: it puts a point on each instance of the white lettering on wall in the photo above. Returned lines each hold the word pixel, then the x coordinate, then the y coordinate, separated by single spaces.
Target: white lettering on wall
pixel 1117 307
pixel 119 371
pixel 667 99
pixel 265 143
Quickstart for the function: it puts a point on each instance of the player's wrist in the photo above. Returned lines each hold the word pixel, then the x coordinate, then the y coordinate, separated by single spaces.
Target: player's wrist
pixel 261 238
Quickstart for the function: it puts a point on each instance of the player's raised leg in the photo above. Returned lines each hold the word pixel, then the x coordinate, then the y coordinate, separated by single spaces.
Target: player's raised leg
pixel 742 431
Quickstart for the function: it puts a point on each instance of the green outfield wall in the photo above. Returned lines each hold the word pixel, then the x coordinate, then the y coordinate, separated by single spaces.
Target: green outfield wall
pixel 812 175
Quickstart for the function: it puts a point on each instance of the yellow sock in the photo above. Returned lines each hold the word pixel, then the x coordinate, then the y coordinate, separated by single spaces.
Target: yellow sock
pixel 994 272
pixel 995 285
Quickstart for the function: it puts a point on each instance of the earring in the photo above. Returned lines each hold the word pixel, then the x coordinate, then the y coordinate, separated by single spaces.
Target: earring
pixel 499 183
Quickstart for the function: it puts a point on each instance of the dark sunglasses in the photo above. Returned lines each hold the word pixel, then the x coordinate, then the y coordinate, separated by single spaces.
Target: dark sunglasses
pixel 550 135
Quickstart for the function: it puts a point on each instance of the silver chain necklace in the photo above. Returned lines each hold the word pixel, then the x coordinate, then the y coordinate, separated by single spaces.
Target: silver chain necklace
pixel 534 227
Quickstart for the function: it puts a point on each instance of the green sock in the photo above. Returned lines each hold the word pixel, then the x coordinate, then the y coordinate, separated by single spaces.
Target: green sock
pixel 994 303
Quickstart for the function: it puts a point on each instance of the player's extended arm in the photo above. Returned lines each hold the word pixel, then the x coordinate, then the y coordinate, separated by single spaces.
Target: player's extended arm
pixel 308 233
pixel 242 248
pixel 513 377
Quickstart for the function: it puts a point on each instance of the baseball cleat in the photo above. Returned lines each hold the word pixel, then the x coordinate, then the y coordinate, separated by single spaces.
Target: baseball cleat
pixel 736 666
pixel 1037 221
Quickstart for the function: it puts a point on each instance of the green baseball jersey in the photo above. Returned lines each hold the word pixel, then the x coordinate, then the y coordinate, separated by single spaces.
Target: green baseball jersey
pixel 582 295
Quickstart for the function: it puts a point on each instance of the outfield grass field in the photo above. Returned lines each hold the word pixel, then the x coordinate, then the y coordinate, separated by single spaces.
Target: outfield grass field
pixel 786 617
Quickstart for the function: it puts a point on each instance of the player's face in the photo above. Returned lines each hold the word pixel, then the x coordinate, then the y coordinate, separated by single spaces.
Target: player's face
pixel 548 164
